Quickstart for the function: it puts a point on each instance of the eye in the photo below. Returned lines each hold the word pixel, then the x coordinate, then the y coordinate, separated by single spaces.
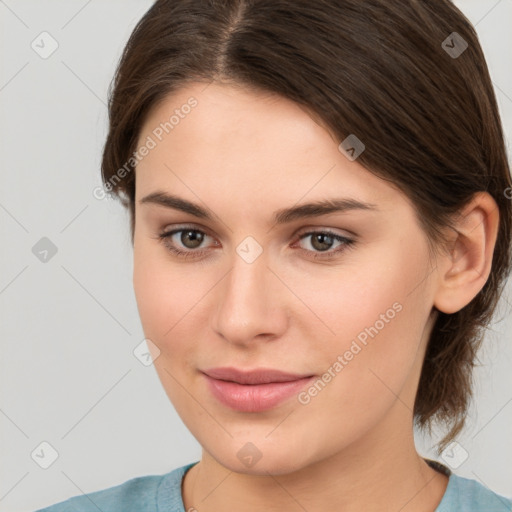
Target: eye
pixel 191 238
pixel 323 240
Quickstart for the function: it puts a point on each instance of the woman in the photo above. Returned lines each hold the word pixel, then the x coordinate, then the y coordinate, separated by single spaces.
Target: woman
pixel 320 215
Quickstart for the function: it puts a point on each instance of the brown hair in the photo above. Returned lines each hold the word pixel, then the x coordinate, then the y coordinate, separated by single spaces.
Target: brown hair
pixel 377 69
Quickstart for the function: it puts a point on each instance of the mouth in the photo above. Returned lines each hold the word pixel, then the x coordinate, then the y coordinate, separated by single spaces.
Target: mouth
pixel 256 376
pixel 256 390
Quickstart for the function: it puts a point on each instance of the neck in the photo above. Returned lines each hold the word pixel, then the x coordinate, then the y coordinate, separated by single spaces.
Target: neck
pixel 381 471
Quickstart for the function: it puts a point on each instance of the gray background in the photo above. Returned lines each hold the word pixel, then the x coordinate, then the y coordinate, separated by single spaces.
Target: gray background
pixel 69 325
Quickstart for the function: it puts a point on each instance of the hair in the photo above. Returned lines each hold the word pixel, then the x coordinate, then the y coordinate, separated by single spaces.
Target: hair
pixel 377 69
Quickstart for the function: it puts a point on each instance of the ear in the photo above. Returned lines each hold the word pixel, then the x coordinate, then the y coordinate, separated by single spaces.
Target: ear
pixel 464 270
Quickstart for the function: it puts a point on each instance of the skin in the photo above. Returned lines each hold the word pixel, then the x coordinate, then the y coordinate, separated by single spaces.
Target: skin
pixel 245 154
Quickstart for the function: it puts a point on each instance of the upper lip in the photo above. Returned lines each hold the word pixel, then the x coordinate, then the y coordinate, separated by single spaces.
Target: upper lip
pixel 256 376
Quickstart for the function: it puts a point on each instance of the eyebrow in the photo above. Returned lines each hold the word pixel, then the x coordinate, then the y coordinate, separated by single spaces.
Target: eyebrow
pixel 283 216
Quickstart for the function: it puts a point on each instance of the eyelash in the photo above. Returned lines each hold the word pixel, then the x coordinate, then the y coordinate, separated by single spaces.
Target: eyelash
pixel 347 243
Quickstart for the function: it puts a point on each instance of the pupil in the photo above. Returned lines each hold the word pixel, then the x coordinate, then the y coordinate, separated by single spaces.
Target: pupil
pixel 322 238
pixel 192 235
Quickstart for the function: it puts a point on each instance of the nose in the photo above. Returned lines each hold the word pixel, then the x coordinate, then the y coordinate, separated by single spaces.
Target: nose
pixel 250 303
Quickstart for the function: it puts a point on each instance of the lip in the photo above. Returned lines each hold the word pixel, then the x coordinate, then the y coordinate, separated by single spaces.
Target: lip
pixel 256 376
pixel 255 390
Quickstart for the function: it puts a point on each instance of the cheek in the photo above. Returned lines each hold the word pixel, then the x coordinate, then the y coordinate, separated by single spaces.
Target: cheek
pixel 154 292
pixel 378 312
pixel 159 291
pixel 375 309
pixel 170 300
pixel 165 302
pixel 369 293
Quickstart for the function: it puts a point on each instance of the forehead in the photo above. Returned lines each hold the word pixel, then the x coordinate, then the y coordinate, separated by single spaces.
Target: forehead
pixel 221 110
pixel 216 138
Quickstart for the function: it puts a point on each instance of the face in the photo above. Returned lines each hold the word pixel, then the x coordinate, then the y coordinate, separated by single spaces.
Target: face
pixel 344 296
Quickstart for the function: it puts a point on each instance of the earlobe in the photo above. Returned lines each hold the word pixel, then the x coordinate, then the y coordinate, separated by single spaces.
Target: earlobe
pixel 464 270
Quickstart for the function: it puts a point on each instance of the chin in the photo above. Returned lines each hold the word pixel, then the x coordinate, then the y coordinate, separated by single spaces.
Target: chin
pixel 264 462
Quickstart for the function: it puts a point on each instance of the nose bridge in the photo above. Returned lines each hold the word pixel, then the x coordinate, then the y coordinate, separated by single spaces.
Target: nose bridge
pixel 247 305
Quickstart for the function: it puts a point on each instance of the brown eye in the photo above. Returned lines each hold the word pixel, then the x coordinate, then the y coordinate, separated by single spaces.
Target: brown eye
pixel 322 241
pixel 185 245
pixel 192 237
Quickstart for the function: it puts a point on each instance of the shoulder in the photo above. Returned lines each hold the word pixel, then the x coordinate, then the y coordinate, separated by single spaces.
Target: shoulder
pixel 471 496
pixel 135 494
pixel 139 494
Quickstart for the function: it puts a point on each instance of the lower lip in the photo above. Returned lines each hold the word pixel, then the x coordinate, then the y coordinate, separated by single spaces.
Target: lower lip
pixel 256 397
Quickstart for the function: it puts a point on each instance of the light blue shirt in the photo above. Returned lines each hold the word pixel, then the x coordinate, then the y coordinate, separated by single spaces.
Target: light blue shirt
pixel 162 493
